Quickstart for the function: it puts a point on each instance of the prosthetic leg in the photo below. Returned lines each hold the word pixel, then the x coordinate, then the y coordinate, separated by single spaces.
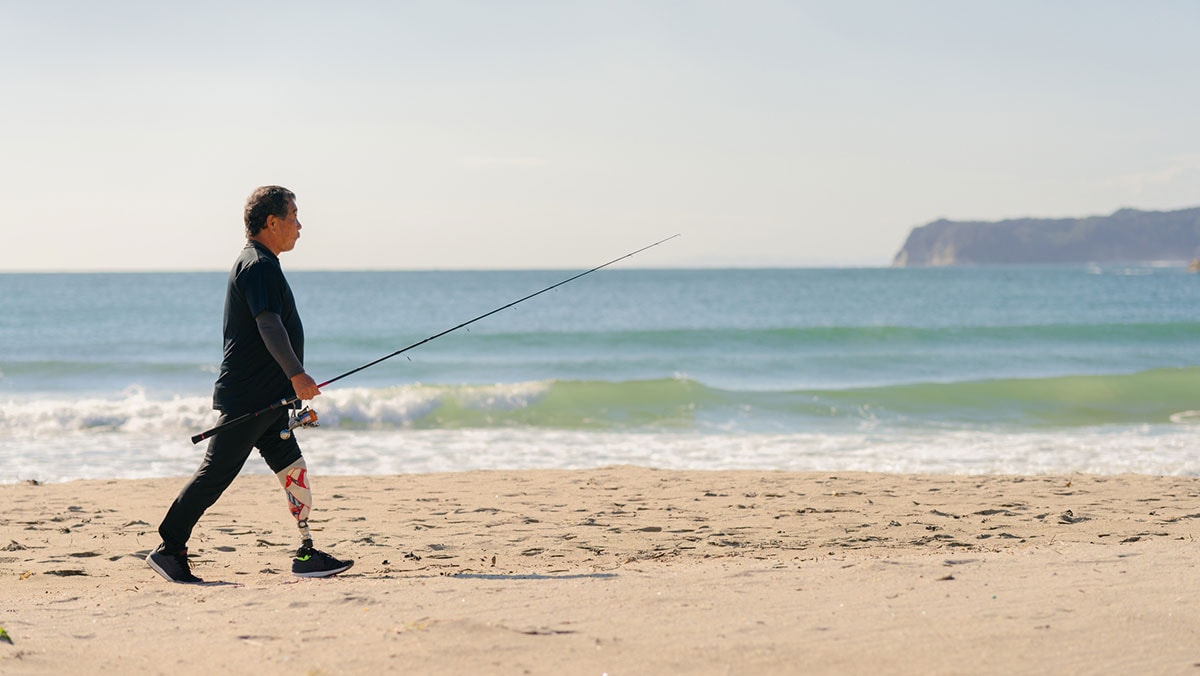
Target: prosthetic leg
pixel 294 479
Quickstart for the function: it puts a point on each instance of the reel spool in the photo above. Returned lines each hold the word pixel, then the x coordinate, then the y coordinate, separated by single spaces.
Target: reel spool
pixel 305 417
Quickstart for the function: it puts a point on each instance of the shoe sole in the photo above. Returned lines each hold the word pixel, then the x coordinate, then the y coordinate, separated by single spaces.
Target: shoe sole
pixel 325 573
pixel 156 568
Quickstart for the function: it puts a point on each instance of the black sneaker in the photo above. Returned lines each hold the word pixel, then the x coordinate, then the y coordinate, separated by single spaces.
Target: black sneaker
pixel 173 567
pixel 310 562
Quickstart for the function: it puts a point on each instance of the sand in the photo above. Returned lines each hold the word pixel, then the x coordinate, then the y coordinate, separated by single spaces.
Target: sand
pixel 619 570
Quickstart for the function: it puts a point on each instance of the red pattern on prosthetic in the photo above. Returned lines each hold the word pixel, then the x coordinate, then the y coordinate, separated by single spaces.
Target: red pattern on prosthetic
pixel 294 479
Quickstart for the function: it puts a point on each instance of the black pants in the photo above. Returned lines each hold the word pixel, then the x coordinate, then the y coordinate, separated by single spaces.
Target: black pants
pixel 227 453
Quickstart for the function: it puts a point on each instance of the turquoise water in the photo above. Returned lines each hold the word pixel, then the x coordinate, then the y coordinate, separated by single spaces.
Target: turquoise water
pixel 1020 369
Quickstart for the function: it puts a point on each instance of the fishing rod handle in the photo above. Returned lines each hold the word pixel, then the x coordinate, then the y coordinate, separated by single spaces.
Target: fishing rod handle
pixel 242 418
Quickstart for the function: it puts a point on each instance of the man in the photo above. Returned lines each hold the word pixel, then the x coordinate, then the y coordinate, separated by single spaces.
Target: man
pixel 263 364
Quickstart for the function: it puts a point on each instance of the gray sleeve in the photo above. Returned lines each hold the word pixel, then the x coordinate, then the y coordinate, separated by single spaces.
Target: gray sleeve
pixel 270 327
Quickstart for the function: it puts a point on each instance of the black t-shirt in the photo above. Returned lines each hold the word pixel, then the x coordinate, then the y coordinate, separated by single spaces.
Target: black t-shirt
pixel 250 378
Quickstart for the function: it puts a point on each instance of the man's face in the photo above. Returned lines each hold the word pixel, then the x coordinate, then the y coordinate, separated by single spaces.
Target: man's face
pixel 285 231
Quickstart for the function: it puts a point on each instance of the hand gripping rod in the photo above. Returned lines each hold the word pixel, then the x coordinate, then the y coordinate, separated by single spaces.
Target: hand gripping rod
pixel 291 400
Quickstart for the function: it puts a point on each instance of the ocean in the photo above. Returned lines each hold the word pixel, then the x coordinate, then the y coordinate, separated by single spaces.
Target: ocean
pixel 1018 370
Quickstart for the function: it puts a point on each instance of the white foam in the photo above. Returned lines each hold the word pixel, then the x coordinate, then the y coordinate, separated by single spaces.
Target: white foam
pixel 88 454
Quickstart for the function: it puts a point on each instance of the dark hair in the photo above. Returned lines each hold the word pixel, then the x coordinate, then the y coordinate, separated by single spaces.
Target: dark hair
pixel 269 200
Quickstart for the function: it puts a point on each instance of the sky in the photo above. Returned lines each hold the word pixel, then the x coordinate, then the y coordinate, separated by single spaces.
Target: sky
pixel 454 134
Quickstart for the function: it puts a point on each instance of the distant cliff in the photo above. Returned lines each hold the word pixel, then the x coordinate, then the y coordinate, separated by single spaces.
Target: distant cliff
pixel 1127 236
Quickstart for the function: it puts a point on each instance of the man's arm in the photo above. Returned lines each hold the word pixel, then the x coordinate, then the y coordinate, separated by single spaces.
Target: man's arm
pixel 275 336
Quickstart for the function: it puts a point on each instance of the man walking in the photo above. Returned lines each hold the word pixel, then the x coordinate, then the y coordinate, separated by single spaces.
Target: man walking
pixel 263 363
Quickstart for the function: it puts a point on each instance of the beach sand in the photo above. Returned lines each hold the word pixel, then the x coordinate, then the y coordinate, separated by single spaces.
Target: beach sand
pixel 620 570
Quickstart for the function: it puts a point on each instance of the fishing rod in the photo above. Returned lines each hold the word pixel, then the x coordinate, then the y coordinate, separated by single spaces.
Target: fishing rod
pixel 291 400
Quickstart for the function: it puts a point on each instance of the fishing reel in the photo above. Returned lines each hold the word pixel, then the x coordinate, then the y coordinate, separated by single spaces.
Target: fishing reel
pixel 305 417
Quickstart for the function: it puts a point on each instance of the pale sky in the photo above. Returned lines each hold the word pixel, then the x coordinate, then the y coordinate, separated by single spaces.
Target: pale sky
pixel 559 134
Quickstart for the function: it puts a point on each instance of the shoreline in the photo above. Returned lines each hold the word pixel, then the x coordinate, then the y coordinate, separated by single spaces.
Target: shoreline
pixel 616 570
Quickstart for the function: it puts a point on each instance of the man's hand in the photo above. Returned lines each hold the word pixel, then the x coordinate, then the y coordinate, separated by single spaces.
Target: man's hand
pixel 305 386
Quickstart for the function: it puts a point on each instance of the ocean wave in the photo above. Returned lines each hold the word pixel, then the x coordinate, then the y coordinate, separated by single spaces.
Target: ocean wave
pixel 1160 396
pixel 1154 396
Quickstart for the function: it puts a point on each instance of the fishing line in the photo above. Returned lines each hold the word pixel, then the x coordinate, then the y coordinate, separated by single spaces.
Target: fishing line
pixel 291 400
